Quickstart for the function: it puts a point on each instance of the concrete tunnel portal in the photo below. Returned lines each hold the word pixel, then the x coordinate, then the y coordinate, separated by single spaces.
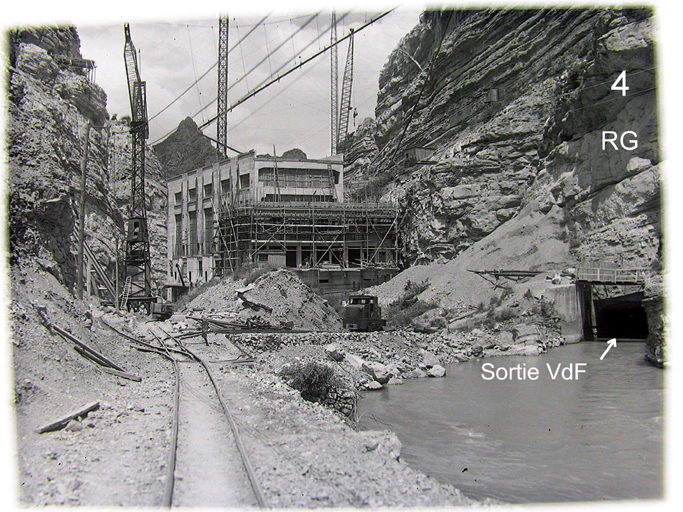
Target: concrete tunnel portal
pixel 621 317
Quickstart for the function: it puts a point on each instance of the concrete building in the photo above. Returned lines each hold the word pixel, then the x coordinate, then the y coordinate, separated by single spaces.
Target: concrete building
pixel 284 212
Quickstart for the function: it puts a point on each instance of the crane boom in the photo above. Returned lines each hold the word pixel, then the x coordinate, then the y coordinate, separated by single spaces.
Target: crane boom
pixel 137 260
pixel 345 106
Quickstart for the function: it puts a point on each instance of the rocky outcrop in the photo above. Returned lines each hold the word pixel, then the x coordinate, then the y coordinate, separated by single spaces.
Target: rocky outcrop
pixel 514 104
pixel 50 102
pixel 184 150
pixel 360 150
pixel 49 105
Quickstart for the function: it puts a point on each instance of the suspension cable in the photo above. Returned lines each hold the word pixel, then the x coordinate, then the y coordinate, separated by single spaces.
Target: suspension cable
pixel 291 70
pixel 207 72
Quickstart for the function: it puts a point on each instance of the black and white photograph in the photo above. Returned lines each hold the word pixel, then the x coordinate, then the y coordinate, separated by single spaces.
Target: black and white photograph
pixel 360 256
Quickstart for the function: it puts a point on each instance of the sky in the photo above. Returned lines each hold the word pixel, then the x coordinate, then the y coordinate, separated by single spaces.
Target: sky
pixel 294 112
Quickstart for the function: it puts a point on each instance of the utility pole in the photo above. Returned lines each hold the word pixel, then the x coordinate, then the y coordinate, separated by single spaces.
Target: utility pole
pixel 81 220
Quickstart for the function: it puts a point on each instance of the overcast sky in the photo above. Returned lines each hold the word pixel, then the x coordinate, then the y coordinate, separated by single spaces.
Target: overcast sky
pixel 177 43
pixel 294 112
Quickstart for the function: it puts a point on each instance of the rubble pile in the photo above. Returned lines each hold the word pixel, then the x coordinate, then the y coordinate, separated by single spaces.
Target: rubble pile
pixel 277 299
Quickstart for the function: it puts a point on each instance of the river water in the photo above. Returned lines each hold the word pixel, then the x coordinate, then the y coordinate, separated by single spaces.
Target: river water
pixel 598 436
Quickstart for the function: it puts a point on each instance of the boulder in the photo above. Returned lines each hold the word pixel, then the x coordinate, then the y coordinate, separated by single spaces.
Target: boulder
pixel 373 385
pixel 526 334
pixel 355 361
pixel 334 352
pixel 415 374
pixel 436 371
pixel 429 359
pixel 377 371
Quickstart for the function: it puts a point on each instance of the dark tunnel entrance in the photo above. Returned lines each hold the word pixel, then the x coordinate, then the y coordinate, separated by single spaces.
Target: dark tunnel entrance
pixel 621 317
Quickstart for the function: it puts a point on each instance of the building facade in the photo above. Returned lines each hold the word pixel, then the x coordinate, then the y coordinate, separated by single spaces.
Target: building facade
pixel 283 212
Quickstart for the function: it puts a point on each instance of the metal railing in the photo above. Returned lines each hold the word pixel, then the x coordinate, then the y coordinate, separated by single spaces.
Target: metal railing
pixel 611 275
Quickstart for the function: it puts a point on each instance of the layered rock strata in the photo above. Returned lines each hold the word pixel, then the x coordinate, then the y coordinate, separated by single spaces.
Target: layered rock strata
pixel 514 107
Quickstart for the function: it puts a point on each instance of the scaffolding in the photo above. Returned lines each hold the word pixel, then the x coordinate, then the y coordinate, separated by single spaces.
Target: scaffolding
pixel 306 235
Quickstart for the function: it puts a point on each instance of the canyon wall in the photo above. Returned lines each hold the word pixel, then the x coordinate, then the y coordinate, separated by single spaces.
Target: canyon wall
pixel 50 100
pixel 512 105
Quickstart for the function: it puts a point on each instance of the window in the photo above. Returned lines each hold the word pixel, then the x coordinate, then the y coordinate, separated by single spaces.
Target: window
pixel 178 235
pixel 178 197
pixel 193 231
pixel 208 190
pixel 225 186
pixel 208 231
pixel 244 181
pixel 192 194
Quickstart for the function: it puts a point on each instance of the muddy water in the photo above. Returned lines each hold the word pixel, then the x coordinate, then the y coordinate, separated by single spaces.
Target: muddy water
pixel 595 437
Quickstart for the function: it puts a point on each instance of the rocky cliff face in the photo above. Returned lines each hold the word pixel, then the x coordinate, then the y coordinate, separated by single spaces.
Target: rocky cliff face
pixel 513 103
pixel 49 105
pixel 50 102
pixel 515 106
pixel 184 150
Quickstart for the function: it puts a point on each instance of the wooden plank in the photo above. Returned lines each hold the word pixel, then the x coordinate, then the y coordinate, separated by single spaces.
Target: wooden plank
pixel 123 375
pixel 89 356
pixel 78 342
pixel 62 422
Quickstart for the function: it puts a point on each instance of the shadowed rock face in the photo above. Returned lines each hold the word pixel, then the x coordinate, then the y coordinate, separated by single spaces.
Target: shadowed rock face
pixel 185 149
pixel 49 105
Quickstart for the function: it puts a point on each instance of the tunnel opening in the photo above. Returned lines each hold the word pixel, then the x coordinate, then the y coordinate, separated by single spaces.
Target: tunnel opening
pixel 621 317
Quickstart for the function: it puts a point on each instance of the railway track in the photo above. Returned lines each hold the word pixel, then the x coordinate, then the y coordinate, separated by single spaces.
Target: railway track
pixel 207 464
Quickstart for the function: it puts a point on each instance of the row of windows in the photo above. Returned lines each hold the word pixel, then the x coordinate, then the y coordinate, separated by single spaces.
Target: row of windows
pixel 208 191
pixel 296 178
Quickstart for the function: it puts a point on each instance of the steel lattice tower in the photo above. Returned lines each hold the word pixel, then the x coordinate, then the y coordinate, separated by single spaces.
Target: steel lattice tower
pixel 137 257
pixel 347 83
pixel 334 94
pixel 222 120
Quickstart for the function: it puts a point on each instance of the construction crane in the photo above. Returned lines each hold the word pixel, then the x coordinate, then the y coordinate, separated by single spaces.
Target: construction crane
pixel 138 267
pixel 345 107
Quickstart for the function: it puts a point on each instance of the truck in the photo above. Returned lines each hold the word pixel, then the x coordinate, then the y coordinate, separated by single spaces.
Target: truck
pixel 363 313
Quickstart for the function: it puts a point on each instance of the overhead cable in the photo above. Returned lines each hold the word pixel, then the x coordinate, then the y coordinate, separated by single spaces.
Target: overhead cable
pixel 209 104
pixel 291 70
pixel 206 72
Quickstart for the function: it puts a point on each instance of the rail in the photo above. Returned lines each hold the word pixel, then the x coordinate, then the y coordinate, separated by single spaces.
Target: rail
pixel 165 350
pixel 251 474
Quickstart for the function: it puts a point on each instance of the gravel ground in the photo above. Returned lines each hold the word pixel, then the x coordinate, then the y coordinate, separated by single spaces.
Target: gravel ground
pixel 304 454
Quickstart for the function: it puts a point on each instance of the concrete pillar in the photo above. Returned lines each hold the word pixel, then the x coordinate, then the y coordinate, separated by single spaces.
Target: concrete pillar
pixel 567 305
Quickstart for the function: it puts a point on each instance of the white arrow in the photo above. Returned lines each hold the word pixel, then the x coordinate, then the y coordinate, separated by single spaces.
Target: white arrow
pixel 611 343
